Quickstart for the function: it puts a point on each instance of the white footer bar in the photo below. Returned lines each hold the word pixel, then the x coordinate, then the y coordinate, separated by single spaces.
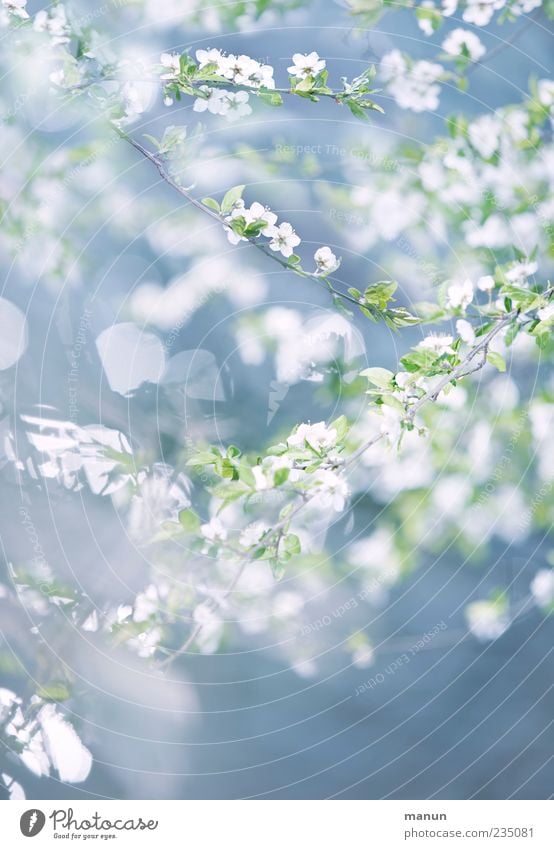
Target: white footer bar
pixel 279 824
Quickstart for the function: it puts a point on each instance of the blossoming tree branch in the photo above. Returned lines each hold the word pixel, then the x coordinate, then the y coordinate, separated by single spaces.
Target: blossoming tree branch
pixel 213 515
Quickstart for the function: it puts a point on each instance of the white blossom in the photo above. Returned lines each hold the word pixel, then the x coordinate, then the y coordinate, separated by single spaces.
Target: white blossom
pixel 211 57
pixel 146 643
pixel 391 423
pixel 413 86
pixel 216 101
pixel 440 343
pixel 146 604
pixel 484 135
pixel 211 627
pixel 15 790
pixel 480 12
pixel 237 105
pixel 284 239
pixel 546 313
pixel 363 657
pixel 318 436
pixel 16 8
pixel 424 23
pixel 523 7
pixel 487 620
pixel 331 490
pixel 460 295
pixel 542 587
pixel 325 261
pixel 463 42
pixel 465 331
pixel 159 498
pixel 252 534
pixel 260 480
pixel 255 214
pixel 485 283
pixel 306 65
pixel 520 271
pixel 170 61
pixel 545 92
pixel 214 530
pixel 55 23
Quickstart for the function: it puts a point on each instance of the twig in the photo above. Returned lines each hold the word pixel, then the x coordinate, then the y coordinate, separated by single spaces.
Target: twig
pixel 504 44
pixel 327 282
pixel 432 395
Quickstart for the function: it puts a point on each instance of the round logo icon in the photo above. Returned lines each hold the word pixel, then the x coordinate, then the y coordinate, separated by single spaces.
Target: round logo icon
pixel 32 822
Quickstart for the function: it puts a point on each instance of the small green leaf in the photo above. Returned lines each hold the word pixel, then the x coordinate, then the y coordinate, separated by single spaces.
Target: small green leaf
pixel 202 458
pixel 281 476
pixel 380 293
pixel 211 203
pixel 380 377
pixel 341 426
pixel 277 568
pixel 55 691
pixel 278 449
pixel 356 110
pixel 305 85
pixel 231 197
pixel 189 520
pixel 273 98
pixel 292 544
pixel 496 360
pixel 152 140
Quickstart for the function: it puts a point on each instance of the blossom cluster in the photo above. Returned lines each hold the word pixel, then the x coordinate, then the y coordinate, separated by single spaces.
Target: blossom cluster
pixel 414 85
pixel 43 739
pixel 243 224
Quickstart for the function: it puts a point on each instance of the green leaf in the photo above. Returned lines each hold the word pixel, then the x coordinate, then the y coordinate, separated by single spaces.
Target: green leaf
pixel 355 293
pixel 401 317
pixel 231 197
pixel 356 110
pixel 379 294
pixel 273 98
pixel 421 359
pixel 496 360
pixel 277 450
pixel 246 474
pixel 55 691
pixel 305 85
pixel 211 203
pixel 187 64
pixel 277 568
pixel 281 476
pixel 380 377
pixel 511 333
pixel 202 458
pixel 152 140
pixel 292 545
pixel 341 426
pixel 189 520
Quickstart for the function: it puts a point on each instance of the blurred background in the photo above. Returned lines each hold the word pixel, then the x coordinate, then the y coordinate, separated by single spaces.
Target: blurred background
pixel 437 713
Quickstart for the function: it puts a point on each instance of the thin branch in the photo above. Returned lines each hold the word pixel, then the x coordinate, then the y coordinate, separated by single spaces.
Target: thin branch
pixel 327 282
pixel 504 44
pixel 456 374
